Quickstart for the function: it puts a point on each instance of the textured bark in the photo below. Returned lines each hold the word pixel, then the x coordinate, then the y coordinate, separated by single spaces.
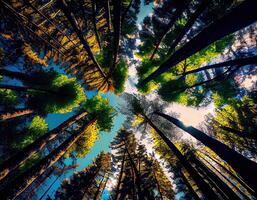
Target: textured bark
pixel 72 20
pixel 14 162
pixel 246 168
pixel 204 187
pixel 16 187
pixel 238 62
pixel 15 113
pixel 244 15
pixel 93 4
pixel 118 193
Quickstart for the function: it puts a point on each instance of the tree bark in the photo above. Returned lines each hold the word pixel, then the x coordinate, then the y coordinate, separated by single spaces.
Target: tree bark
pixel 117 195
pixel 189 186
pixel 72 20
pixel 16 75
pixel 188 25
pixel 15 113
pixel 238 62
pixel 15 188
pixel 204 187
pixel 93 3
pixel 117 31
pixel 14 162
pixel 243 166
pixel 212 176
pixel 174 18
pixel 244 15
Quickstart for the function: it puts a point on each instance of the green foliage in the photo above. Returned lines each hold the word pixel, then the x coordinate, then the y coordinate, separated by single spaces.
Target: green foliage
pixel 30 162
pixel 8 97
pixel 82 147
pixel 99 108
pixel 66 94
pixel 120 76
pixel 36 128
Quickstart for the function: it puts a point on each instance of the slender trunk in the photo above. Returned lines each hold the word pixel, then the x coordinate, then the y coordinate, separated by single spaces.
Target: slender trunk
pixel 238 179
pixel 138 178
pixel 204 187
pixel 117 195
pixel 26 89
pixel 221 184
pixel 227 179
pixel 15 113
pixel 189 186
pixel 16 75
pixel 93 4
pixel 188 25
pixel 15 188
pixel 14 162
pixel 238 62
pixel 101 187
pixel 174 18
pixel 117 31
pixel 246 168
pixel 108 14
pixel 244 14
pixel 72 20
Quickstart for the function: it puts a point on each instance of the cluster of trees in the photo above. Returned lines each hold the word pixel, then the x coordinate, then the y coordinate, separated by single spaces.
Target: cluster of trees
pixel 212 170
pixel 188 53
pixel 90 39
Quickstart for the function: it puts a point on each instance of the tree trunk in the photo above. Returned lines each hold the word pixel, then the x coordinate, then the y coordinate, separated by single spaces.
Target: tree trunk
pixel 188 25
pixel 117 31
pixel 93 3
pixel 138 178
pixel 16 113
pixel 189 186
pixel 26 89
pixel 177 15
pixel 16 75
pixel 244 15
pixel 15 188
pixel 117 195
pixel 101 187
pixel 230 174
pixel 238 62
pixel 14 162
pixel 158 185
pixel 108 14
pixel 229 193
pixel 204 187
pixel 243 166
pixel 72 20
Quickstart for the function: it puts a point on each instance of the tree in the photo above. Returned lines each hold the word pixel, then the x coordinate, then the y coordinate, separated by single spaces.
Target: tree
pixel 225 26
pixel 234 159
pixel 85 184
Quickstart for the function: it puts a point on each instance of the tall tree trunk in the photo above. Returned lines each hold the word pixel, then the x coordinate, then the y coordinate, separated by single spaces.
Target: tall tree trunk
pixel 221 184
pixel 244 15
pixel 26 89
pixel 108 14
pixel 189 24
pixel 16 187
pixel 101 187
pixel 117 32
pixel 204 187
pixel 158 185
pixel 189 186
pixel 246 168
pixel 138 178
pixel 72 20
pixel 227 179
pixel 238 179
pixel 16 75
pixel 93 4
pixel 117 195
pixel 235 62
pixel 14 162
pixel 15 113
pixel 177 15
